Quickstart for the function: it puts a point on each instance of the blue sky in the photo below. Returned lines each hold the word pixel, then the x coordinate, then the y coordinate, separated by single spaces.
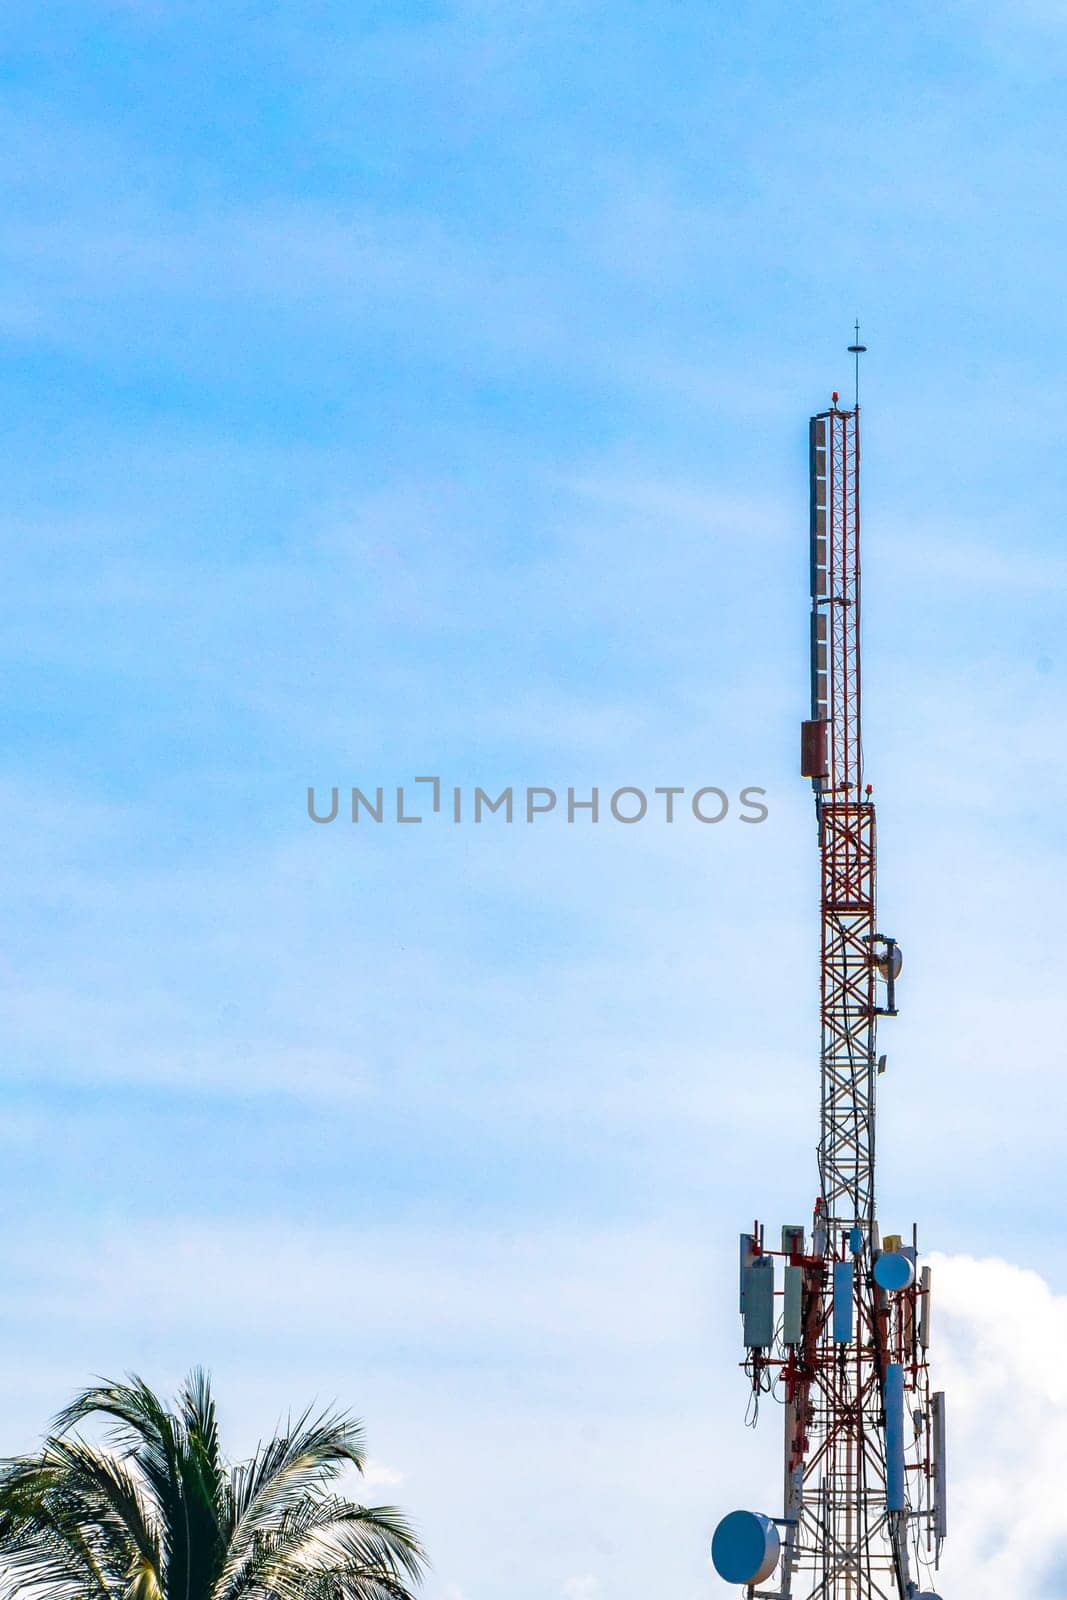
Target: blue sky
pixel 423 389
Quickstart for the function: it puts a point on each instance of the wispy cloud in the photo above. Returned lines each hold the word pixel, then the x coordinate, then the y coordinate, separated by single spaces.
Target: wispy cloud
pixel 376 1475
pixel 585 1587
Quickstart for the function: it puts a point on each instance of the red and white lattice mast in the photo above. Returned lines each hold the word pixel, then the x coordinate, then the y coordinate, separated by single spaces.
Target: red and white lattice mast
pixel 837 1320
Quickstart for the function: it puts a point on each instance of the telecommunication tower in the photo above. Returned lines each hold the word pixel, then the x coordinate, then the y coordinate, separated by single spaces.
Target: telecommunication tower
pixel 836 1320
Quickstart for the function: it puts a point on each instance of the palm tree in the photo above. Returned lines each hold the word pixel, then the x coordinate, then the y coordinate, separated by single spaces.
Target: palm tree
pixel 161 1516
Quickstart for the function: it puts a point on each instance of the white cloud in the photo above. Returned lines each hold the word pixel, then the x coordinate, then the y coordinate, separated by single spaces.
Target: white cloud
pixel 376 1475
pixel 583 1588
pixel 998 1333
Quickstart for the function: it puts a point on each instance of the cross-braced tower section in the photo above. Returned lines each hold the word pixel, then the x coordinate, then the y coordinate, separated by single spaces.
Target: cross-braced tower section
pixel 836 1322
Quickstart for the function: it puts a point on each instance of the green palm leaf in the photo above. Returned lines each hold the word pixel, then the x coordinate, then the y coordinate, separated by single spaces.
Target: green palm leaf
pixel 156 1513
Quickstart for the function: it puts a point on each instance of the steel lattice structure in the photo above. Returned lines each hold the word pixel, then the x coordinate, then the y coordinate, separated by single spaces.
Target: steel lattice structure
pixel 846 1145
pixel 842 1344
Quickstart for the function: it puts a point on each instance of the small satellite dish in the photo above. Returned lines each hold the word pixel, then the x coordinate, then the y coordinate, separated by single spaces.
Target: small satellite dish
pixel 882 962
pixel 745 1547
pixel 893 1271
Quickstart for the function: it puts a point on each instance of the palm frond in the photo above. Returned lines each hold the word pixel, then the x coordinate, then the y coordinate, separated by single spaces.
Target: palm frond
pixel 380 1535
pixel 136 1416
pixel 340 1578
pixel 196 1408
pixel 196 1404
pixel 373 1542
pixel 205 1485
pixel 139 1426
pixel 247 1561
pixel 328 1528
pixel 49 1543
pixel 312 1452
pixel 114 1503
pixel 52 1566
pixel 142 1429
